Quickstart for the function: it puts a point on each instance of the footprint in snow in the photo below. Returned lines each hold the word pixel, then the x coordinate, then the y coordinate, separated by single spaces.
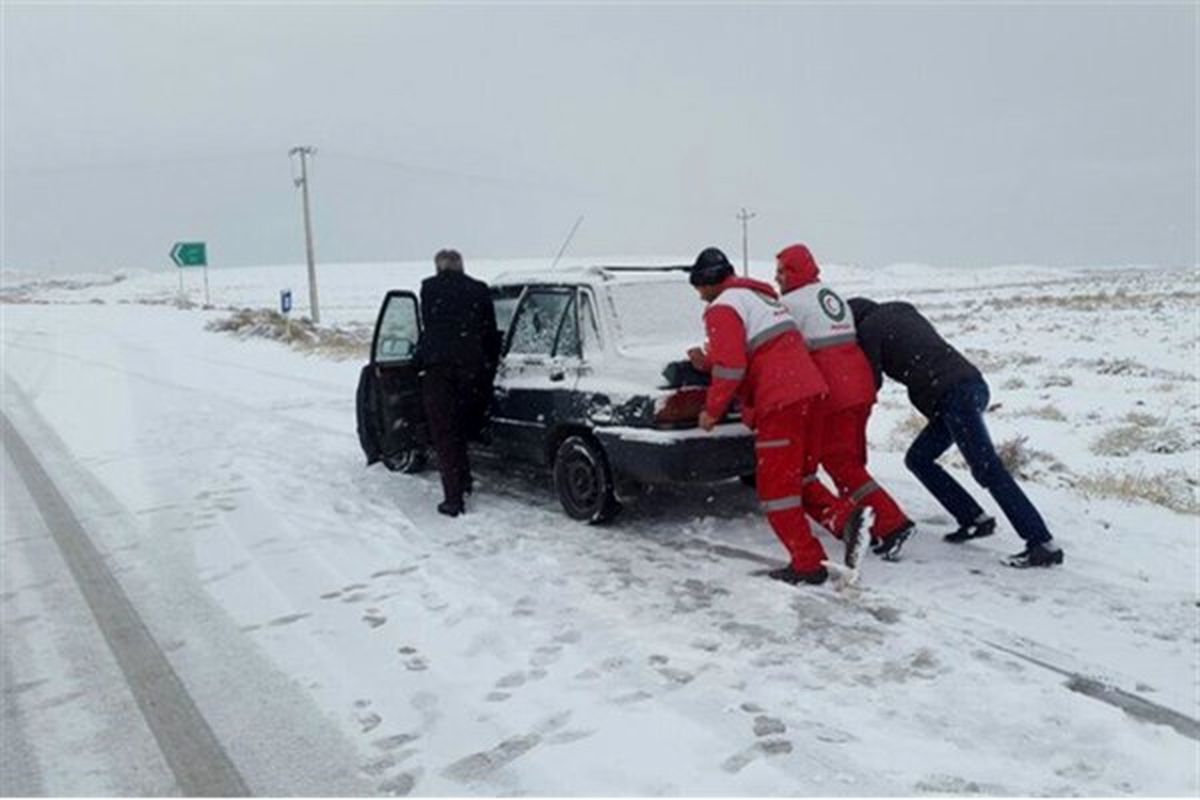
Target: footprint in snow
pixel 768 726
pixel 524 607
pixel 400 785
pixel 569 637
pixel 511 680
pixel 763 748
pixel 546 655
pixel 393 742
pixel 413 661
pixel 676 676
pixel 374 617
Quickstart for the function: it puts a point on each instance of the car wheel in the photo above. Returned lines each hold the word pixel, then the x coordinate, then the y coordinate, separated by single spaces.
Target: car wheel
pixel 584 481
pixel 408 461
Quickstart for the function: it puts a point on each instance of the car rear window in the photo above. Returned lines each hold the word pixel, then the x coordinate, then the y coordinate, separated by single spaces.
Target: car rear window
pixel 654 312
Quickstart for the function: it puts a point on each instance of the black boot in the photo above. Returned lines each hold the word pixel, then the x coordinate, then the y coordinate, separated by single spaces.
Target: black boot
pixel 450 509
pixel 794 577
pixel 1042 554
pixel 984 526
pixel 889 547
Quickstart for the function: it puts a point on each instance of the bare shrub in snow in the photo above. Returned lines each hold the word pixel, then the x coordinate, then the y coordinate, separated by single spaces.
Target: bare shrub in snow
pixel 905 431
pixel 1047 411
pixel 1121 299
pixel 1142 433
pixel 336 342
pixel 1127 367
pixel 1057 379
pixel 1175 489
pixel 1015 455
pixel 988 361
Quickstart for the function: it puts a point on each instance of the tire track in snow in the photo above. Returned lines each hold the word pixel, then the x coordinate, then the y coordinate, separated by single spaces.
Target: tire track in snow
pixel 199 763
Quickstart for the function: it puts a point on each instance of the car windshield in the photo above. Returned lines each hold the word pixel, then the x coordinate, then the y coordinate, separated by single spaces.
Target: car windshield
pixel 657 312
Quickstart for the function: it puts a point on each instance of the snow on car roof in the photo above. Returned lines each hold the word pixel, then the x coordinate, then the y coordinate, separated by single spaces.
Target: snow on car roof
pixel 598 274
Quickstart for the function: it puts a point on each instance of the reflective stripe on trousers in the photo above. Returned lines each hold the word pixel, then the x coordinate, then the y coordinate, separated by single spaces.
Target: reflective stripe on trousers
pixel 859 494
pixel 783 503
pixel 728 373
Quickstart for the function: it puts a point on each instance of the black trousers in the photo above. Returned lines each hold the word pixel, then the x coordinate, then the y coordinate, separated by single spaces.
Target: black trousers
pixel 452 397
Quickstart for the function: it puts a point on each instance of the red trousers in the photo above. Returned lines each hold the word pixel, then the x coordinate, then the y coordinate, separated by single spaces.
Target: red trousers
pixel 841 444
pixel 780 446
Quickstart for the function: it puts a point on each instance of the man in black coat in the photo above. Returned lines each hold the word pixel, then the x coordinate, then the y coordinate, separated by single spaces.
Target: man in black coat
pixel 952 394
pixel 458 353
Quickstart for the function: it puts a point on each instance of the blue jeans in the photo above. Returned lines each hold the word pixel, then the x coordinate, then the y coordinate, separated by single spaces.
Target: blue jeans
pixel 959 420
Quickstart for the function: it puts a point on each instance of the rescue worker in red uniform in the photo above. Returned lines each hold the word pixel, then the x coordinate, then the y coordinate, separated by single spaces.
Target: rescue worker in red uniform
pixel 756 353
pixel 841 441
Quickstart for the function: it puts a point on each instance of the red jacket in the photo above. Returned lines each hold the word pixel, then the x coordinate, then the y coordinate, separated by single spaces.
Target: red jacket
pixel 828 327
pixel 756 353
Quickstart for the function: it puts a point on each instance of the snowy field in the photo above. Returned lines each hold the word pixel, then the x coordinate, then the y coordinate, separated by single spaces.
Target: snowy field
pixel 340 637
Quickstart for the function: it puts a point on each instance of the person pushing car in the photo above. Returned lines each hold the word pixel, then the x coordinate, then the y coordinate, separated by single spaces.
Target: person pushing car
pixel 952 394
pixel 756 353
pixel 841 444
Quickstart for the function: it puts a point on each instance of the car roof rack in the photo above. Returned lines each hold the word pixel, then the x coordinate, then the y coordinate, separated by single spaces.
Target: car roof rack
pixel 648 268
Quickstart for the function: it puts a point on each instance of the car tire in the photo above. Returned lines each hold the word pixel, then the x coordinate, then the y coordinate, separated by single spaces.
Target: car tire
pixel 408 461
pixel 583 481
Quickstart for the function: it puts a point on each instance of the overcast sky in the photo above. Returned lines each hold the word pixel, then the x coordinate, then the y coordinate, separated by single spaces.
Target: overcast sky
pixel 992 134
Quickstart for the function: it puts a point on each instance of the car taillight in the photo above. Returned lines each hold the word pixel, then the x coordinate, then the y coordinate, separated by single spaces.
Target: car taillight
pixel 681 408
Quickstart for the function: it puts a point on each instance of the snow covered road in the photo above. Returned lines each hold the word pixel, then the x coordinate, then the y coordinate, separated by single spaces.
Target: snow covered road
pixel 339 637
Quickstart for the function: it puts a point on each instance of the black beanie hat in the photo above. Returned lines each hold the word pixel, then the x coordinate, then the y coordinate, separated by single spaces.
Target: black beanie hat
pixel 711 268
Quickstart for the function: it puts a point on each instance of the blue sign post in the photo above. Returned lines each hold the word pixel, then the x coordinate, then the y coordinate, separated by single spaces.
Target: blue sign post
pixel 285 306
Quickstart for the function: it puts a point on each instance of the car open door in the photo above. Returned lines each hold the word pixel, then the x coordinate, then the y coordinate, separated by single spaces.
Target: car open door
pixel 392 409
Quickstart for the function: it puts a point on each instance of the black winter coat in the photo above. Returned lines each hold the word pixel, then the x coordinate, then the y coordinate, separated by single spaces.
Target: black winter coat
pixel 458 323
pixel 903 345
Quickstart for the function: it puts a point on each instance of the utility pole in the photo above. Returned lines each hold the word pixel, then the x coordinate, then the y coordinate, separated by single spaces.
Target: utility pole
pixel 305 153
pixel 745 216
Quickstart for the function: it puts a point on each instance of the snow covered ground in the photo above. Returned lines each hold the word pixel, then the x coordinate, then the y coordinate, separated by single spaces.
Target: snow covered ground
pixel 342 638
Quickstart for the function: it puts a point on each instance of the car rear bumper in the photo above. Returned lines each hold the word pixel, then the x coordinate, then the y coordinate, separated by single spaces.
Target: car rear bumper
pixel 649 455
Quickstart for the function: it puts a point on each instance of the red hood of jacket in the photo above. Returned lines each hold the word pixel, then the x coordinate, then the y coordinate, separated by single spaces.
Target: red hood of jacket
pixel 799 267
pixel 735 282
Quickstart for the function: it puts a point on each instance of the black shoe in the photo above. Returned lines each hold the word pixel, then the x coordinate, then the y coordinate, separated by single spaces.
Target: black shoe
pixel 889 547
pixel 972 530
pixel 450 509
pixel 789 575
pixel 1045 554
pixel 856 537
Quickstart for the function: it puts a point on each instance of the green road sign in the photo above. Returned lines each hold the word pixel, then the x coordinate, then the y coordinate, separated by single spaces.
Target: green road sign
pixel 189 254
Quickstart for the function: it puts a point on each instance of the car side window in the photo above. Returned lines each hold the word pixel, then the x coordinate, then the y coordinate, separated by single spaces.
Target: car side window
pixel 399 329
pixel 536 327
